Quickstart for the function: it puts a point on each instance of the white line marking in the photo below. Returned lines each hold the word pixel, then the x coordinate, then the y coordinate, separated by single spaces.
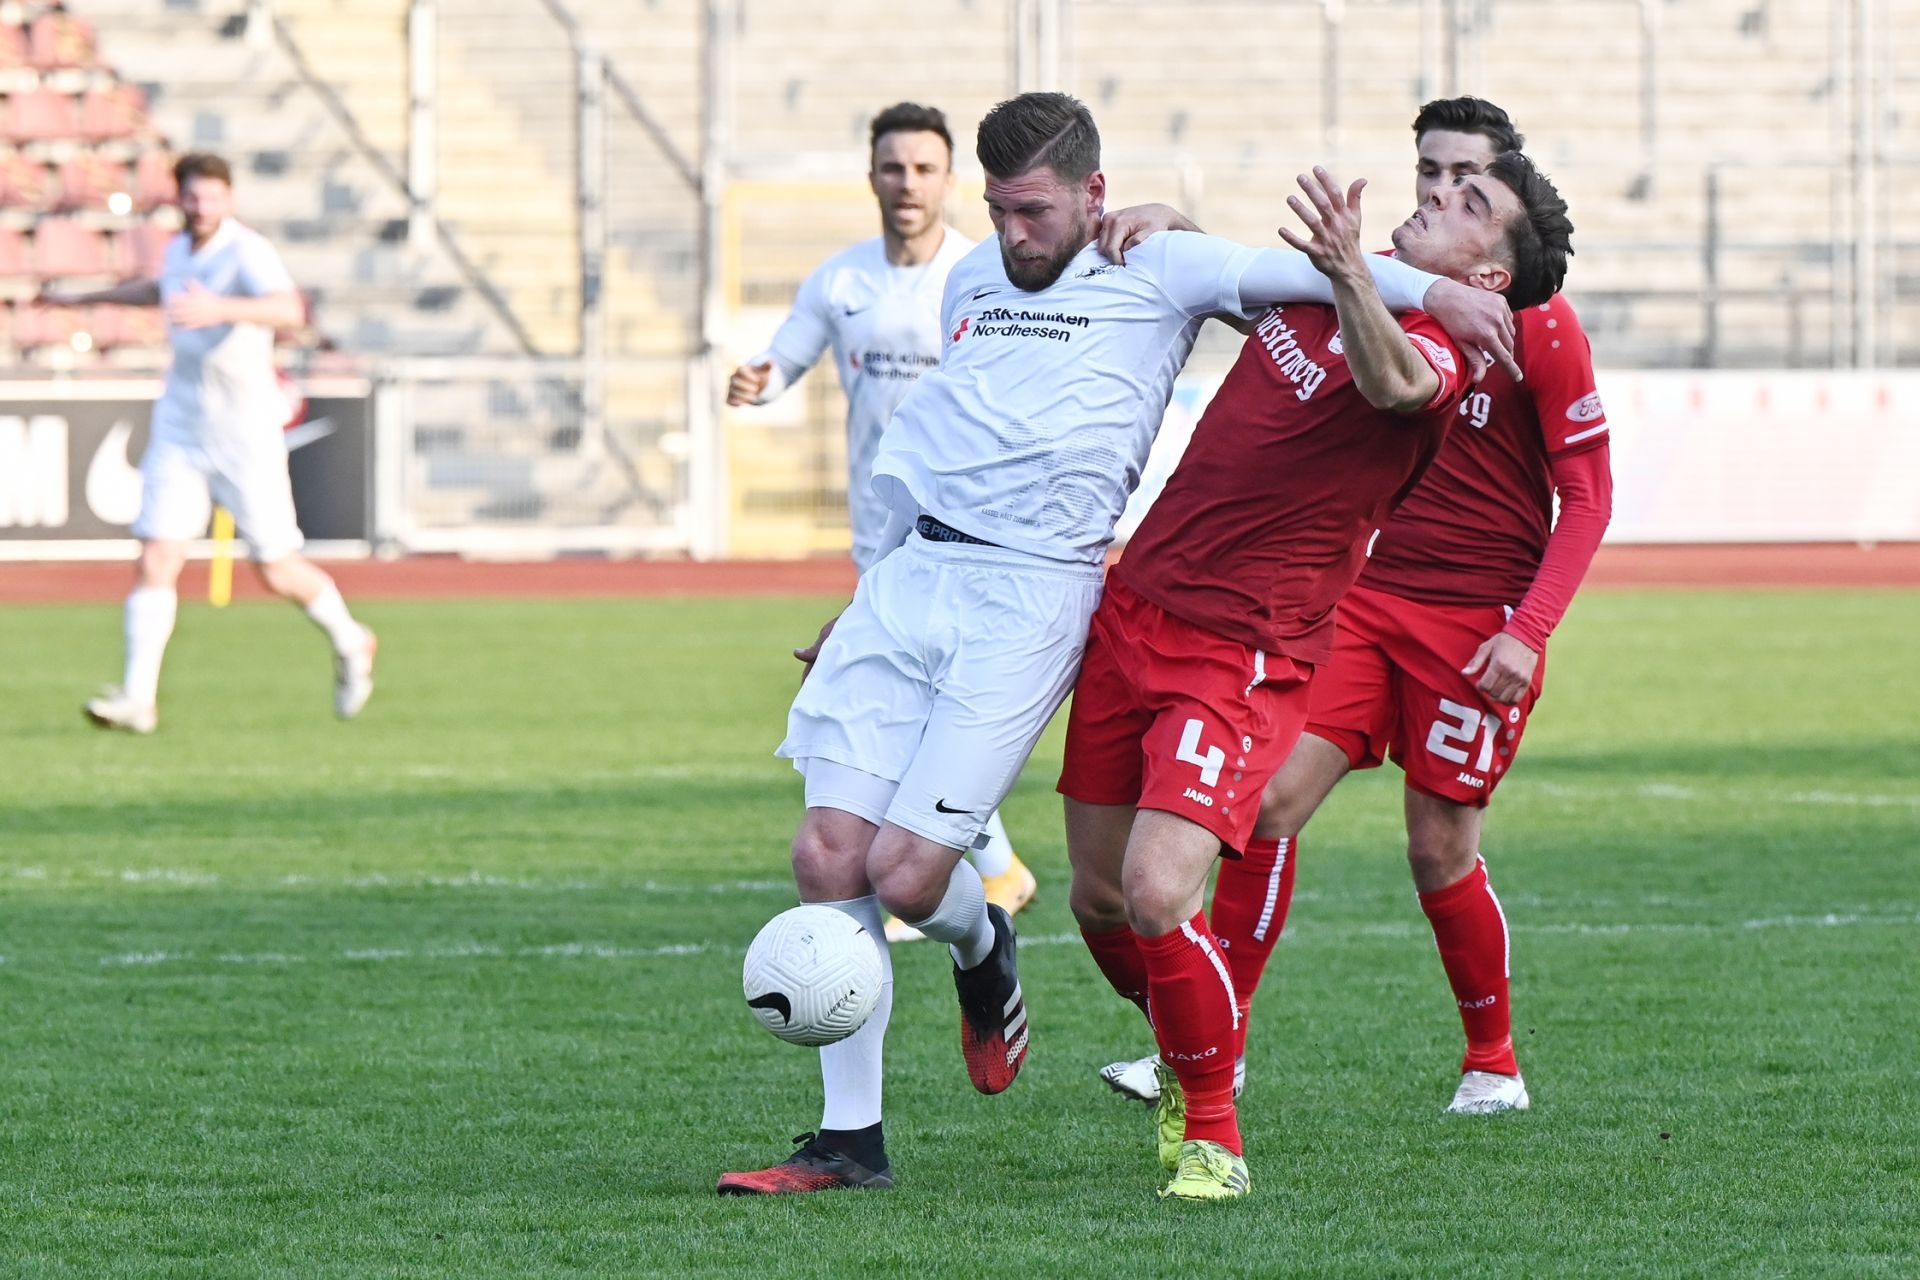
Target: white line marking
pixel 1310 934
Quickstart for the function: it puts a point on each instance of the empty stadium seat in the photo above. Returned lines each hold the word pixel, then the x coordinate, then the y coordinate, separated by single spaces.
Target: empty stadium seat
pixel 113 112
pixel 65 248
pixel 143 249
pixel 36 326
pixel 40 115
pixel 16 263
pixel 128 327
pixel 13 48
pixel 152 180
pixel 89 180
pixel 25 183
pixel 58 39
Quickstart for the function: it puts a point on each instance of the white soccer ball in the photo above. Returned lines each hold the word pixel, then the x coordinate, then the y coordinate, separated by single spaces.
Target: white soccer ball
pixel 812 975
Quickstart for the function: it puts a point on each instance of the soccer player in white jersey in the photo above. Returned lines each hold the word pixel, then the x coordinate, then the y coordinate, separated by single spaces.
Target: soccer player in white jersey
pixel 877 304
pixel 216 435
pixel 1004 474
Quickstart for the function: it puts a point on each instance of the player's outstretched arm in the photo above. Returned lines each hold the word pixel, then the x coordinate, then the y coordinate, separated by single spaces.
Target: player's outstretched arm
pixel 1387 371
pixel 198 307
pixel 128 293
pixel 803 337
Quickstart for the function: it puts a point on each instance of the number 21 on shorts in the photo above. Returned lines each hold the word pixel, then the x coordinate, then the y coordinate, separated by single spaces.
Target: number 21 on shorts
pixel 1462 724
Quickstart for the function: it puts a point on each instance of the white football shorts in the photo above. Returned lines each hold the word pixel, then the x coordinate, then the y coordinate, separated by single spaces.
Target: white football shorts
pixel 941 676
pixel 181 480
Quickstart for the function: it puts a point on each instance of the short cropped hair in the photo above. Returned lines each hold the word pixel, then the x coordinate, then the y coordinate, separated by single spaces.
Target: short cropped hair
pixel 910 117
pixel 1470 115
pixel 1540 243
pixel 1035 129
pixel 201 164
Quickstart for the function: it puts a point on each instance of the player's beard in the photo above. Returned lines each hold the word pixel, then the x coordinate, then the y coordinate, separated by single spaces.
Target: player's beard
pixel 1034 275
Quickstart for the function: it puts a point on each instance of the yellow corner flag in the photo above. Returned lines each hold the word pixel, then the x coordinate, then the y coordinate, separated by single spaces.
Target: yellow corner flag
pixel 220 568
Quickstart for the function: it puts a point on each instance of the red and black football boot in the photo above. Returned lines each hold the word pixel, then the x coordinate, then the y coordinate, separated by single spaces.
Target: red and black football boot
pixel 993 1014
pixel 811 1168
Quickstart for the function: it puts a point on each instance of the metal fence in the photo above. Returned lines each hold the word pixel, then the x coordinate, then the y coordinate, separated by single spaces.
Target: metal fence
pixel 1743 177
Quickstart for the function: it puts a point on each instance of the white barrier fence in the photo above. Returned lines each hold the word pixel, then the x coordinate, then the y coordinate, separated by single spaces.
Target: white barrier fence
pixel 506 465
pixel 1720 456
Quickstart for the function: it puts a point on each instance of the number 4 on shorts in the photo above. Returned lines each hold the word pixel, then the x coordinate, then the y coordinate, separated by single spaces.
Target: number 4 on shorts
pixel 1210 761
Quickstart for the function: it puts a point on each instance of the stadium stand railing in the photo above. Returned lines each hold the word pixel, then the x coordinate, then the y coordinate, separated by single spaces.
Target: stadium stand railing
pixel 1741 175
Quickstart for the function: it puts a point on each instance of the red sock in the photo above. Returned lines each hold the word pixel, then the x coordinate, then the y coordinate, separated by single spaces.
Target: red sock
pixel 1250 900
pixel 1117 952
pixel 1472 933
pixel 1194 1017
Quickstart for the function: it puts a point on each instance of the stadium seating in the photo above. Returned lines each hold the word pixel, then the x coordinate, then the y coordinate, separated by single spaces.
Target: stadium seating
pixel 59 40
pixel 67 249
pixel 41 115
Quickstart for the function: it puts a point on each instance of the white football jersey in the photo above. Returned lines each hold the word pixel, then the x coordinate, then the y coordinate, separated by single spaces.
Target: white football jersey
pixel 1037 423
pixel 883 323
pixel 222 378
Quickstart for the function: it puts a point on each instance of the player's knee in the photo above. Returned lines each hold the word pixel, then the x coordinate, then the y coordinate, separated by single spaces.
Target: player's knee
pixel 827 868
pixel 1097 907
pixel 160 564
pixel 1155 906
pixel 1436 863
pixel 279 575
pixel 910 889
pixel 1284 808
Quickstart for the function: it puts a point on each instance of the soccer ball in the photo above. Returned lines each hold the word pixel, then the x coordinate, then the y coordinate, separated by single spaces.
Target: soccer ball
pixel 812 975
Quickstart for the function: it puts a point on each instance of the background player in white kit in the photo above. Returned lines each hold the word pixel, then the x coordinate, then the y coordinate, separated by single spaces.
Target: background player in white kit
pixel 877 303
pixel 216 435
pixel 1005 473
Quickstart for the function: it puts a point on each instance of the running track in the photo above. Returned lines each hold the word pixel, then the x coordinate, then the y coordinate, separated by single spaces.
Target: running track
pixel 1842 566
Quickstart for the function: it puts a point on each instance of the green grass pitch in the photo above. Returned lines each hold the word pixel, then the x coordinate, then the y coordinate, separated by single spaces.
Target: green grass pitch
pixel 454 990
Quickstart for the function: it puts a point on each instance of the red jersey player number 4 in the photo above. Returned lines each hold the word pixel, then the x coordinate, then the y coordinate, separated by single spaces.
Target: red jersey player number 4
pixel 1223 604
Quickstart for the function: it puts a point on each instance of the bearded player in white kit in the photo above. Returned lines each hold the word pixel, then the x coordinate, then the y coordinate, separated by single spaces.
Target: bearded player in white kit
pixel 1004 474
pixel 216 435
pixel 877 303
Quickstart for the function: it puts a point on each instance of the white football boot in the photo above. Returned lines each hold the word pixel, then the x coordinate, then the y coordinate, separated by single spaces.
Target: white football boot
pixel 113 709
pixel 1485 1093
pixel 1138 1080
pixel 353 677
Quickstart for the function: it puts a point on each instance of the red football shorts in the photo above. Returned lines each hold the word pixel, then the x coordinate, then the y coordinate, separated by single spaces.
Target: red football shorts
pixel 1169 715
pixel 1393 690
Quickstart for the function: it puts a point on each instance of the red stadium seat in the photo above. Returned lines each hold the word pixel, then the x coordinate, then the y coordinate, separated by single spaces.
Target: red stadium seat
pixel 58 39
pixel 13 47
pixel 153 180
pixel 63 248
pixel 128 327
pixel 46 326
pixel 15 262
pixel 116 111
pixel 89 180
pixel 25 183
pixel 39 115
pixel 143 249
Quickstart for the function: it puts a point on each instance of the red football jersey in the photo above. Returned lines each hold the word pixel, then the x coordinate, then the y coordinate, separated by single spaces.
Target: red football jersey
pixel 1473 531
pixel 1263 525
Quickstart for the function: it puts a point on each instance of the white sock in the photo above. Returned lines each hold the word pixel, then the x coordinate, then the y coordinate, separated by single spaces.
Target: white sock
pixel 995 856
pixel 329 613
pixel 961 918
pixel 149 625
pixel 850 1069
